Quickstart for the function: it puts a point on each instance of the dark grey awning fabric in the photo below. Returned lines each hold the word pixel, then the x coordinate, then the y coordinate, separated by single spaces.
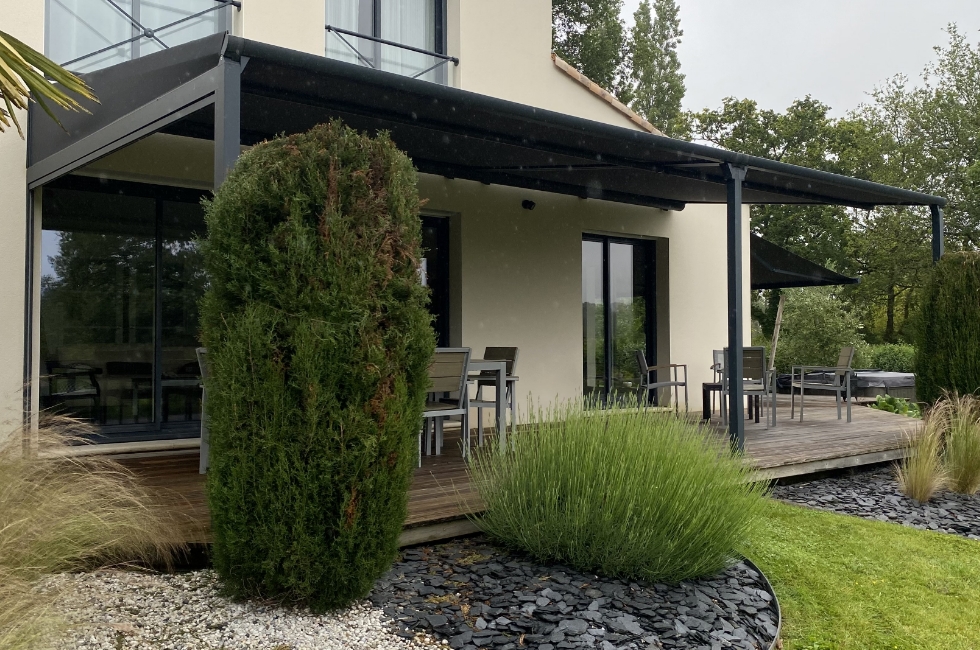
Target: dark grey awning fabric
pixel 774 267
pixel 446 131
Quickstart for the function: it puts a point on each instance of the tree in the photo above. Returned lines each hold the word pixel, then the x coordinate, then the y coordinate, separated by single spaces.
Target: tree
pixel 947 342
pixel 26 74
pixel 590 35
pixel 318 342
pixel 658 85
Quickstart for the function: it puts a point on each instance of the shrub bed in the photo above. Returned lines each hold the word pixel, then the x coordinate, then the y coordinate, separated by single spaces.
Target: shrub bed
pixel 318 339
pixel 620 492
pixel 948 333
pixel 892 357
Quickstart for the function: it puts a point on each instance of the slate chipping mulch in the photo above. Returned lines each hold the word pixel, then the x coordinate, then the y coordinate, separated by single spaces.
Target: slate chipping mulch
pixel 475 595
pixel 874 494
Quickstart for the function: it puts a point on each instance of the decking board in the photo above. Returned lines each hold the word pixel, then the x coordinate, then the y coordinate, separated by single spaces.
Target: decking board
pixel 440 488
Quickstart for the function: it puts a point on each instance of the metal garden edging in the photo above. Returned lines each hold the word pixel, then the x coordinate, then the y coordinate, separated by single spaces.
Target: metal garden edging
pixel 775 599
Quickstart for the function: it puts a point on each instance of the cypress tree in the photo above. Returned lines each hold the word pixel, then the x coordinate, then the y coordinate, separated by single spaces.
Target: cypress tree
pixel 318 341
pixel 658 85
pixel 590 35
pixel 947 346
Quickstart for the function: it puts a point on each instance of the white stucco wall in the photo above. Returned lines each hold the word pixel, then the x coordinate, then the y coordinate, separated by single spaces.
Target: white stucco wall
pixel 24 20
pixel 521 277
pixel 504 49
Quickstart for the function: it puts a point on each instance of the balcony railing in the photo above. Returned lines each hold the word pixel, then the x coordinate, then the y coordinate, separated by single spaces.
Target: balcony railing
pixel 142 32
pixel 406 60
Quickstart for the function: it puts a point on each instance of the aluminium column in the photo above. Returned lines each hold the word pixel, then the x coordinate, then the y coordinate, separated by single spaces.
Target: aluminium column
pixel 227 118
pixel 938 243
pixel 734 176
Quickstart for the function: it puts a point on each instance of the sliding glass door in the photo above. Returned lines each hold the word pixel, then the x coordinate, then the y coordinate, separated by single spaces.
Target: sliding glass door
pixel 121 277
pixel 618 314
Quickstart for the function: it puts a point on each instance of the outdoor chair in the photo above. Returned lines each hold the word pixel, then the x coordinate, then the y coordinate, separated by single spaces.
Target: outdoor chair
pixel 836 379
pixel 447 375
pixel 202 363
pixel 648 385
pixel 757 382
pixel 487 379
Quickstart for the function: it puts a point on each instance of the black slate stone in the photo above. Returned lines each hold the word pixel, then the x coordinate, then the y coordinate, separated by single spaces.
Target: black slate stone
pixel 874 494
pixel 491 600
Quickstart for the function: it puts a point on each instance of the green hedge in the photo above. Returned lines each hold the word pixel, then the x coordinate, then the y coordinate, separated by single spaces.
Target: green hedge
pixel 892 357
pixel 318 340
pixel 948 331
pixel 621 492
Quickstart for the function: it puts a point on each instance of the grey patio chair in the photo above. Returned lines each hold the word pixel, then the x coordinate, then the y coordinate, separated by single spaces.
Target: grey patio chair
pixel 487 379
pixel 648 385
pixel 836 379
pixel 757 382
pixel 447 375
pixel 202 362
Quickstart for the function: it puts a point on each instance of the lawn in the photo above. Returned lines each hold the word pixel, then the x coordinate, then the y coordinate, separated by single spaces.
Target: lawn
pixel 849 583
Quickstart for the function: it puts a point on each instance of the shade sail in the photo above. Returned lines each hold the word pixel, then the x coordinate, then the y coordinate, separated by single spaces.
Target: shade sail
pixel 445 130
pixel 774 267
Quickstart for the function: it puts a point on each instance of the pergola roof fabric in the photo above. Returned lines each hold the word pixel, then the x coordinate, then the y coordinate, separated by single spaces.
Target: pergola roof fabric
pixel 445 130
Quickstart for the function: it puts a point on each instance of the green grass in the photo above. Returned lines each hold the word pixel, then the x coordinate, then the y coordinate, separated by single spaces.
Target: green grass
pixel 849 583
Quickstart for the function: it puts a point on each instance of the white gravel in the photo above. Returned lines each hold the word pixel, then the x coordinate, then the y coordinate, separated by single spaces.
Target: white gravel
pixel 115 610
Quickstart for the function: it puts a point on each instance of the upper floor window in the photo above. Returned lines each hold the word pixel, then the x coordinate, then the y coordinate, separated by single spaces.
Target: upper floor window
pixel 417 24
pixel 85 35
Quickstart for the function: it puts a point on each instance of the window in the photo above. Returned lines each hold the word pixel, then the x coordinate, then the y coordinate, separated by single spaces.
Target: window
pixel 618 314
pixel 415 23
pixel 435 273
pixel 92 34
pixel 121 277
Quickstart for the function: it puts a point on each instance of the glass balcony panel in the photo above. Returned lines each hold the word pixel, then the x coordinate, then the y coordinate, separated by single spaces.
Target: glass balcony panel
pixel 75 28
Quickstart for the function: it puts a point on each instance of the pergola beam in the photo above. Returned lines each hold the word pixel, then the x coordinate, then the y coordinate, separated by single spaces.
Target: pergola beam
pixel 227 118
pixel 938 236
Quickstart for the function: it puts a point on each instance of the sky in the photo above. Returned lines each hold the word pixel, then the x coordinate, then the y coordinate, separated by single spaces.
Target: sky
pixel 776 51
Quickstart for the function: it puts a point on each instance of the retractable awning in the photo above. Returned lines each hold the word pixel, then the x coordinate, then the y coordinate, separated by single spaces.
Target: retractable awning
pixel 445 130
pixel 237 91
pixel 774 267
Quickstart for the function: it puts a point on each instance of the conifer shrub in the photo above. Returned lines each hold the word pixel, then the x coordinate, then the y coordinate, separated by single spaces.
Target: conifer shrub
pixel 947 346
pixel 622 492
pixel 318 342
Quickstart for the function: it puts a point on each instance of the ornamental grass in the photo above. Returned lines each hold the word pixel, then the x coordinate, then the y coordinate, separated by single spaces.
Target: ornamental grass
pixel 922 474
pixel 61 514
pixel 623 492
pixel 961 416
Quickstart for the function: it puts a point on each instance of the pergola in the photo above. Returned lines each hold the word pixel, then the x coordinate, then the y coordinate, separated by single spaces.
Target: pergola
pixel 239 92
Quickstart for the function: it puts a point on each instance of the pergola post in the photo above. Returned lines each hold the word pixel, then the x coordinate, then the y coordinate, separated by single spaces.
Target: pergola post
pixel 227 118
pixel 734 176
pixel 938 245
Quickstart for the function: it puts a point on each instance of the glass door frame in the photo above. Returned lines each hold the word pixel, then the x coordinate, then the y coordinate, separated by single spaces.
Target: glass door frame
pixel 157 428
pixel 650 297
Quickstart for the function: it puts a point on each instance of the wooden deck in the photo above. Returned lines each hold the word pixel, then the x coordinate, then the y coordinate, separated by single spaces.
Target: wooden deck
pixel 440 486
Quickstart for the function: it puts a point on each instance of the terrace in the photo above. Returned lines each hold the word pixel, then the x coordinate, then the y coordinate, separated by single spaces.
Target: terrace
pixel 793 448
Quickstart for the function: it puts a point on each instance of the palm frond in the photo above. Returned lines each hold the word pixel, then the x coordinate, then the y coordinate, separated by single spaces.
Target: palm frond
pixel 26 74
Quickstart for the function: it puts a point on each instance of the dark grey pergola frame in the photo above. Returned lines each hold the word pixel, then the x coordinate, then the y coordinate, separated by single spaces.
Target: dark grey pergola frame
pixel 237 92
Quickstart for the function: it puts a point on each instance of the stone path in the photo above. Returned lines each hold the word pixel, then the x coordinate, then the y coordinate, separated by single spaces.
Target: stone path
pixel 874 495
pixel 476 596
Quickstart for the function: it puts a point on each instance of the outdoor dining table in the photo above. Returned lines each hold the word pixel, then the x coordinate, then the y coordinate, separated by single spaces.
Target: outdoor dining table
pixel 499 368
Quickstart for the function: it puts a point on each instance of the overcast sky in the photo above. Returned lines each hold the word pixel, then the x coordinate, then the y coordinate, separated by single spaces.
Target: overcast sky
pixel 775 51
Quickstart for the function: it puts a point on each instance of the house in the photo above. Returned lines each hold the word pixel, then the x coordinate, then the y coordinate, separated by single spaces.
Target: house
pixel 556 220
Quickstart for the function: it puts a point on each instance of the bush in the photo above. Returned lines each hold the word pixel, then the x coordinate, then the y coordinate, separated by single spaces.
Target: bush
pixel 66 514
pixel 960 415
pixel 621 492
pixel 921 474
pixel 892 357
pixel 898 405
pixel 815 327
pixel 947 340
pixel 319 341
